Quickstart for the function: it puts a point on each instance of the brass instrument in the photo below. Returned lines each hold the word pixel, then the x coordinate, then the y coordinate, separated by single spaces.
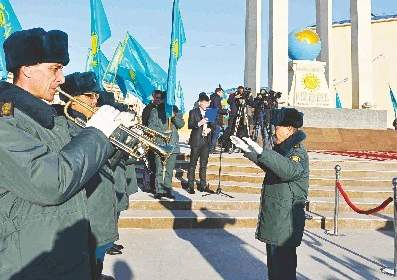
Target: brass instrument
pixel 144 143
pixel 166 136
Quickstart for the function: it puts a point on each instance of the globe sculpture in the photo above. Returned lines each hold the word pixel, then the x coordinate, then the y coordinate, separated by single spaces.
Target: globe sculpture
pixel 303 44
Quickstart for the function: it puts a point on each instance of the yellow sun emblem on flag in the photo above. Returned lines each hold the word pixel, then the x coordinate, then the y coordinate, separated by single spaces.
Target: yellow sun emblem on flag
pixel 3 16
pixel 311 82
pixel 175 48
pixel 132 74
pixel 94 44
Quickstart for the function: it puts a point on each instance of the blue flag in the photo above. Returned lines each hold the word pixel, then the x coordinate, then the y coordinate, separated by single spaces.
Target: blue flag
pixel 8 24
pixel 100 32
pixel 338 102
pixel 393 101
pixel 179 98
pixel 134 71
pixel 151 69
pixel 177 40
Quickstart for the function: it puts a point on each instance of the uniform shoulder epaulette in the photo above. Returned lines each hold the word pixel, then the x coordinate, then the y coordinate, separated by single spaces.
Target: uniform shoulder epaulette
pixel 6 109
pixel 297 145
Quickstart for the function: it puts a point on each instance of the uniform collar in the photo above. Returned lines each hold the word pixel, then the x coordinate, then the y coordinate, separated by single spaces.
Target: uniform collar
pixel 35 108
pixel 295 139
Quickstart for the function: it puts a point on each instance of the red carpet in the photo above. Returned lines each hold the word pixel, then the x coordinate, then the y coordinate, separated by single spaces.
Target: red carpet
pixel 372 155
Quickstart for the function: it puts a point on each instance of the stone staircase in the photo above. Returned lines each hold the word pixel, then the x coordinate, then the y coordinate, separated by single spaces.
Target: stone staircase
pixel 367 183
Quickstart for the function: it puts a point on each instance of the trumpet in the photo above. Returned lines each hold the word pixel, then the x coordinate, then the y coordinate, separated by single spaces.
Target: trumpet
pixel 166 136
pixel 137 151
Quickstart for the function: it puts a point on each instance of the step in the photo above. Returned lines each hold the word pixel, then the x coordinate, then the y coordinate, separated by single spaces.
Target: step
pixel 323 204
pixel 185 201
pixel 164 219
pixel 237 187
pixel 354 173
pixel 329 192
pixel 258 179
pixel 241 201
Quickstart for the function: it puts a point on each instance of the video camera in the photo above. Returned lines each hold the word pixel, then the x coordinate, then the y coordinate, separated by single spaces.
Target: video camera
pixel 270 97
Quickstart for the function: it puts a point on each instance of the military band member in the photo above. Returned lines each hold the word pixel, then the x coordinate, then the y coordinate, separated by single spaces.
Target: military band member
pixel 43 215
pixel 285 187
pixel 158 121
pixel 100 189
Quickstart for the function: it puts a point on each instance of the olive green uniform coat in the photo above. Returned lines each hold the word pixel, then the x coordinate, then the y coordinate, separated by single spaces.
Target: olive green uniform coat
pixel 281 218
pixel 43 215
pixel 101 198
pixel 158 122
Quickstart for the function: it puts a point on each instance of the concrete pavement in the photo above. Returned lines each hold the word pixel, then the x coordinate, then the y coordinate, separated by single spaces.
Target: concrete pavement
pixel 234 254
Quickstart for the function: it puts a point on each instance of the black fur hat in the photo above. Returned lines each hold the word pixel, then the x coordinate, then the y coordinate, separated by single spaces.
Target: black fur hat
pixel 203 97
pixel 287 117
pixel 80 83
pixel 32 46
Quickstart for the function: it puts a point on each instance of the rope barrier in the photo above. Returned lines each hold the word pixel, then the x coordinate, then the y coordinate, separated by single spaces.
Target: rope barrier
pixel 358 210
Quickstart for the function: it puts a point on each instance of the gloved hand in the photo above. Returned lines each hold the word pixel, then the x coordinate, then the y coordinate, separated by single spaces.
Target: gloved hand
pixel 127 119
pixel 105 120
pixel 239 143
pixel 253 145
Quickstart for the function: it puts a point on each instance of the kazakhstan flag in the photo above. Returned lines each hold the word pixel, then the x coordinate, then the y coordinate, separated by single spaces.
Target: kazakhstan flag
pixel 100 32
pixel 8 24
pixel 134 71
pixel 180 99
pixel 177 40
pixel 128 71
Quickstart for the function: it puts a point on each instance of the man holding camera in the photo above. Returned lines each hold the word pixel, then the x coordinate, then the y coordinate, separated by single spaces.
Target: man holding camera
pixel 285 187
pixel 216 102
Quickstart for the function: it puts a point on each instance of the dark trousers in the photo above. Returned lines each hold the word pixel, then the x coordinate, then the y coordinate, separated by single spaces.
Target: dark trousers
pixel 215 136
pixel 201 152
pixel 281 262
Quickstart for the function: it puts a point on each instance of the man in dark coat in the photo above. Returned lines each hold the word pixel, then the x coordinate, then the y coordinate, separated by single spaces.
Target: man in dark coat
pixel 44 226
pixel 216 102
pixel 199 141
pixel 285 187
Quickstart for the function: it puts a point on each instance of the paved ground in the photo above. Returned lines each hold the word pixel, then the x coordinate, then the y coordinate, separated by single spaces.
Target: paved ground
pixel 236 255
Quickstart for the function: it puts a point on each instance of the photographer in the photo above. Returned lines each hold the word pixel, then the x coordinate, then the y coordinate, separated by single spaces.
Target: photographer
pixel 238 119
pixel 216 102
pixel 263 104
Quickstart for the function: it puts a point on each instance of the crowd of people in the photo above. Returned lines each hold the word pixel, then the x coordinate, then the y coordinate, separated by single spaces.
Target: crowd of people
pixel 65 177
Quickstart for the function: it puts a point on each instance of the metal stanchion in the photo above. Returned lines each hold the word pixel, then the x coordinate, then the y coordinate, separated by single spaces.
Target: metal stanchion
pixel 336 210
pixel 393 270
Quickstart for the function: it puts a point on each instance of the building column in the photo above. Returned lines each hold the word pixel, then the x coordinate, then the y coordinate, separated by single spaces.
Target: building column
pixel 278 47
pixel 324 30
pixel 361 50
pixel 253 50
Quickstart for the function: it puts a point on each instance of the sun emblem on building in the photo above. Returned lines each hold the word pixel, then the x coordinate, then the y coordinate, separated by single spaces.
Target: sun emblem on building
pixel 311 82
pixel 175 48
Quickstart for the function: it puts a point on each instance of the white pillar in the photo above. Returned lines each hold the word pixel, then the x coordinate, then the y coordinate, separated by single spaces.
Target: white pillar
pixel 278 47
pixel 253 50
pixel 361 49
pixel 324 30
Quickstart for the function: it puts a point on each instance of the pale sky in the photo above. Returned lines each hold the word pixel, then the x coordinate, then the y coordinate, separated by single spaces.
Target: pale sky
pixel 214 50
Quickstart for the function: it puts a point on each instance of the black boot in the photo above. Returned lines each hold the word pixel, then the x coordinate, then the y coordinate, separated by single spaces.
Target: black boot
pixel 99 275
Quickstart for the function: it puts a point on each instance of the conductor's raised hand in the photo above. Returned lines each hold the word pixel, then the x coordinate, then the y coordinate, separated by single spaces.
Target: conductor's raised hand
pixel 240 143
pixel 253 145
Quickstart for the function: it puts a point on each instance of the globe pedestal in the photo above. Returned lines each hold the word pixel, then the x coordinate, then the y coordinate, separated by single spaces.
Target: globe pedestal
pixel 308 86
